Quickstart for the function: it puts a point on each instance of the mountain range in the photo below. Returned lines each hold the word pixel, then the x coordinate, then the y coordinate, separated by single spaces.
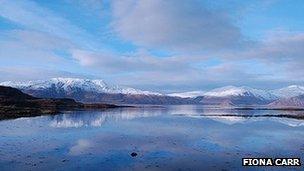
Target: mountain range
pixel 291 96
pixel 87 90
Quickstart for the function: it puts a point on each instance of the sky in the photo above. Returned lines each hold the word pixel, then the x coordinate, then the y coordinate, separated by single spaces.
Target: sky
pixel 159 45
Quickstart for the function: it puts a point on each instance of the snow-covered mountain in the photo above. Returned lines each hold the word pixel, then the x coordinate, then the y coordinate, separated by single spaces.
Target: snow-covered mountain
pixel 86 90
pixel 286 92
pixel 290 91
pixel 236 96
pixel 227 92
pixel 71 84
pixel 240 91
pixel 240 96
pixel 230 96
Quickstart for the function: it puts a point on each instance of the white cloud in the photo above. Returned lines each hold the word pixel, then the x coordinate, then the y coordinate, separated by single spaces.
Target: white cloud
pixel 174 24
pixel 277 59
pixel 275 46
pixel 136 62
pixel 280 50
pixel 32 49
pixel 30 15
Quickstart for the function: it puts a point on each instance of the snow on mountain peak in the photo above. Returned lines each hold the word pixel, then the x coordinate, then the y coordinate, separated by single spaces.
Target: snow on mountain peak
pixel 287 92
pixel 290 91
pixel 85 84
pixel 67 84
pixel 240 91
pixel 99 86
pixel 228 91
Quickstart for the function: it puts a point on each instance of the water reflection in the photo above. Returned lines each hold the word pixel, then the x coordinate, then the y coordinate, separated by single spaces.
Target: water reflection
pixel 80 147
pixel 78 119
pixel 165 138
pixel 74 121
pixel 230 120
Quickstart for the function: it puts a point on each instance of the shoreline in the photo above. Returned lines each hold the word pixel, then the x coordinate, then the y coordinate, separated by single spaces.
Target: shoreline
pixel 12 112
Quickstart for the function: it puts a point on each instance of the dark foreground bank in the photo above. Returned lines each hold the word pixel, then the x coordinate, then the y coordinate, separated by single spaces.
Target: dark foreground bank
pixel 15 104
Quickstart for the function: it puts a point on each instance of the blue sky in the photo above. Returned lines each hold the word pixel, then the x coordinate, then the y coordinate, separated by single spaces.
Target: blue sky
pixel 166 46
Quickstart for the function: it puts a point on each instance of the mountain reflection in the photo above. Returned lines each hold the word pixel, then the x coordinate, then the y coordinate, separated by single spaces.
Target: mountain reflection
pixel 76 119
pixel 230 120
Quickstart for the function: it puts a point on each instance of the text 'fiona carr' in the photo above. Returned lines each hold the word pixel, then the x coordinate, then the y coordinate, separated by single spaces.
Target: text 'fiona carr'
pixel 271 162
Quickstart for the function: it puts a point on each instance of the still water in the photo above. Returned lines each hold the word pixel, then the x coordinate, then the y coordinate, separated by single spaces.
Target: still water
pixel 164 138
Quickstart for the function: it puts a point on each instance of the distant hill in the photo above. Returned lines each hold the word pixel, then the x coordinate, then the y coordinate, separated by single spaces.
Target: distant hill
pixel 13 94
